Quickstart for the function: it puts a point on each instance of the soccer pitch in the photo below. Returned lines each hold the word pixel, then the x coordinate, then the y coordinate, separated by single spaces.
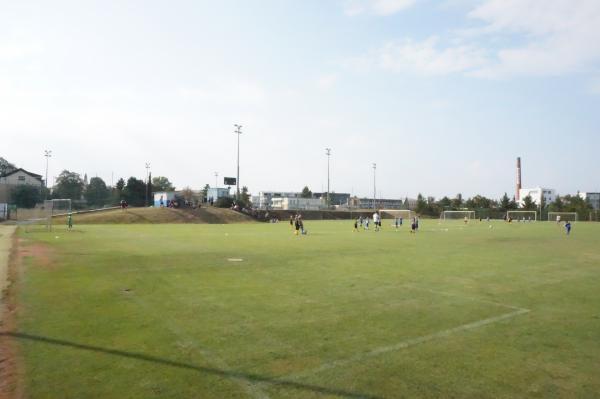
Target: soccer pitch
pixel 251 310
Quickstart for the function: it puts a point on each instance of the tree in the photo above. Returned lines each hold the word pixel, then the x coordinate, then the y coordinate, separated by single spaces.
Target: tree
pixel 306 193
pixel 149 188
pixel 557 205
pixel 135 192
pixel 120 184
pixel 245 197
pixel 504 203
pixel 161 183
pixel 457 202
pixel 68 185
pixel 25 196
pixel 187 193
pixel 444 203
pixel 205 192
pixel 528 203
pixel 6 167
pixel 96 192
pixel 421 204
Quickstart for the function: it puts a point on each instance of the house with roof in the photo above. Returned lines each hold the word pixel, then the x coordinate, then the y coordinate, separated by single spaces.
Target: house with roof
pixel 15 178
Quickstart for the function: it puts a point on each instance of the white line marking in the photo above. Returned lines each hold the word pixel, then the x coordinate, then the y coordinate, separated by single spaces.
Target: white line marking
pixel 409 342
pixel 443 293
pixel 255 390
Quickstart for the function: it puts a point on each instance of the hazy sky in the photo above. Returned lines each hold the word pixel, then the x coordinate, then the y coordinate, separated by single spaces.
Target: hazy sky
pixel 442 95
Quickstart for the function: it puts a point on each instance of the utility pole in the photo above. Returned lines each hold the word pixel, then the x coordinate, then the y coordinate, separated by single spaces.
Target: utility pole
pixel 147 182
pixel 238 131
pixel 328 152
pixel 374 187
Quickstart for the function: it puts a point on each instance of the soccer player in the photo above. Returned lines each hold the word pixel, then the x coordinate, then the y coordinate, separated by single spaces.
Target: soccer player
pixel 356 225
pixel 397 223
pixel 70 221
pixel 367 223
pixel 557 219
pixel 297 225
pixel 292 222
pixel 376 220
pixel 466 220
pixel 568 227
pixel 413 225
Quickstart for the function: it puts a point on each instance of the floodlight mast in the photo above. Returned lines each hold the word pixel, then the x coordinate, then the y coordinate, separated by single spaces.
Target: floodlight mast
pixel 47 154
pixel 238 131
pixel 374 186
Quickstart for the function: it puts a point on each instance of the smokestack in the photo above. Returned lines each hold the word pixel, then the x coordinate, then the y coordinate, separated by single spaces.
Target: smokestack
pixel 518 178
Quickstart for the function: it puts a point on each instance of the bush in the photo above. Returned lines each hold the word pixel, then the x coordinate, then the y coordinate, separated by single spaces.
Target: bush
pixel 25 196
pixel 224 202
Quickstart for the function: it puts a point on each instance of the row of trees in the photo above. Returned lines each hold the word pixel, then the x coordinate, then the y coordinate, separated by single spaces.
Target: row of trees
pixel 568 203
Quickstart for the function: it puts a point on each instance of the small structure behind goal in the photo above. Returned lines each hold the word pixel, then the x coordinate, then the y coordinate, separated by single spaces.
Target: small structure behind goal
pixel 564 216
pixel 522 215
pixel 457 215
pixel 55 208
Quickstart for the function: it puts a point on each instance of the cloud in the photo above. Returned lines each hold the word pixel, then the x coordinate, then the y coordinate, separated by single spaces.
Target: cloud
pixel 326 82
pixel 227 93
pixel 510 38
pixel 376 7
pixel 428 58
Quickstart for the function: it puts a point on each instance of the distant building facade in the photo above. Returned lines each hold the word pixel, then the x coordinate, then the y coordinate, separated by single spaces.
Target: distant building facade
pixel 214 193
pixel 297 203
pixel 536 194
pixel 382 203
pixel 17 177
pixel 592 198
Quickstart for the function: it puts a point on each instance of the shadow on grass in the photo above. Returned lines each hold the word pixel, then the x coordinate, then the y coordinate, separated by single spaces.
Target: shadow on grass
pixel 253 378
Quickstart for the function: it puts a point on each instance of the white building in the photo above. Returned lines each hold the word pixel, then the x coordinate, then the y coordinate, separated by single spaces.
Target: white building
pixel 264 199
pixel 21 176
pixel 296 203
pixel 536 193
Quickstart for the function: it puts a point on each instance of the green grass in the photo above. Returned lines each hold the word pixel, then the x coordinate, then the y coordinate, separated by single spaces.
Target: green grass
pixel 140 311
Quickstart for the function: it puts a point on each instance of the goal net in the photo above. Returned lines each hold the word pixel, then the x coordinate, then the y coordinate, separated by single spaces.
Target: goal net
pixel 562 216
pixel 457 215
pixel 55 208
pixel 522 215
pixel 405 214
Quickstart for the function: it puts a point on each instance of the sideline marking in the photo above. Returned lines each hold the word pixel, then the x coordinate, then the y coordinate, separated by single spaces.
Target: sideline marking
pixel 409 343
pixel 516 311
pixel 5 247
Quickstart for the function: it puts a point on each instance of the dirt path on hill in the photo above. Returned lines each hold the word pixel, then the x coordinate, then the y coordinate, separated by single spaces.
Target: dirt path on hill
pixel 8 367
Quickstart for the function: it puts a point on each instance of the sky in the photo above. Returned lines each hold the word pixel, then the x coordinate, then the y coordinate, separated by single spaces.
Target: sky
pixel 441 95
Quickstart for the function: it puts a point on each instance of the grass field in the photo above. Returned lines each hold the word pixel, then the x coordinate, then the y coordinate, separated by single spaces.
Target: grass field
pixel 157 311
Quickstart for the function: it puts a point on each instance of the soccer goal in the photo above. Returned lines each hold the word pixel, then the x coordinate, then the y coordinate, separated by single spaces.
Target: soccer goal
pixel 405 214
pixel 562 216
pixel 522 215
pixel 457 215
pixel 55 208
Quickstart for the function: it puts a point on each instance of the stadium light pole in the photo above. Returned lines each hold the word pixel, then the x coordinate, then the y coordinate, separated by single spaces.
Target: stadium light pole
pixel 374 186
pixel 328 152
pixel 147 182
pixel 238 131
pixel 48 155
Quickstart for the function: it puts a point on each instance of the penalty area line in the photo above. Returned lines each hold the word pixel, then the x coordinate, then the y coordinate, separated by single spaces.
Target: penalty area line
pixel 409 343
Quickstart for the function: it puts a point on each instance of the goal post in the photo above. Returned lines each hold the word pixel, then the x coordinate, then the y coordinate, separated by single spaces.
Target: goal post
pixel 457 215
pixel 562 216
pixel 56 208
pixel 522 215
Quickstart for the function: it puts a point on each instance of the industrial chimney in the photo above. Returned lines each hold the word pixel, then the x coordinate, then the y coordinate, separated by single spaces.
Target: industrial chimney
pixel 518 178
